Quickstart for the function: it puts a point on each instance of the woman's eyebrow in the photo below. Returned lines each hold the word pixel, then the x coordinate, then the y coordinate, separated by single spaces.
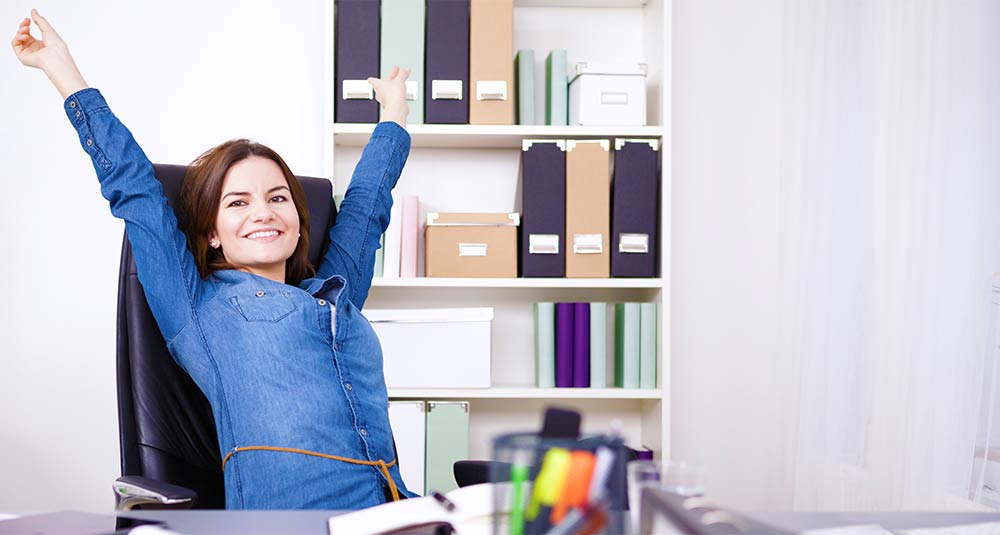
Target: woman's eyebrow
pixel 272 190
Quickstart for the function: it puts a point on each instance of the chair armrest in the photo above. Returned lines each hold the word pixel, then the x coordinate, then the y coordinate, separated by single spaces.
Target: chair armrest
pixel 137 490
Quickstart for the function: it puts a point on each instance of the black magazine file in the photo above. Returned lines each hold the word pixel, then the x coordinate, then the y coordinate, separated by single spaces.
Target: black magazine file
pixel 166 427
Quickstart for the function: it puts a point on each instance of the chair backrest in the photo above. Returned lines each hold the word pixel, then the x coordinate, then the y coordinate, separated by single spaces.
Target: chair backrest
pixel 167 431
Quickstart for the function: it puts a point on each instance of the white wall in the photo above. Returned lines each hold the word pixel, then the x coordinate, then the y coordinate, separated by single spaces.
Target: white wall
pixel 184 76
pixel 729 384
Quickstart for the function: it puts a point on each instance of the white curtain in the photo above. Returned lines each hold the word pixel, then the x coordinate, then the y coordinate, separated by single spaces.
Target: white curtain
pixel 882 127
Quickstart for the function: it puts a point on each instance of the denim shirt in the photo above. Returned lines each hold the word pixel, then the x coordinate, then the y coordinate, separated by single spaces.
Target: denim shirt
pixel 264 353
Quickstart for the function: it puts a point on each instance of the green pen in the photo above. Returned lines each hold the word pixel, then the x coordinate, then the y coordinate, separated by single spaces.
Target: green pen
pixel 519 471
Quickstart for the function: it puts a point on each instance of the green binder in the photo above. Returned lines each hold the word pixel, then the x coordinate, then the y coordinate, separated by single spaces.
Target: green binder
pixel 556 108
pixel 545 345
pixel 598 345
pixel 402 44
pixel 447 442
pixel 647 345
pixel 627 345
pixel 524 81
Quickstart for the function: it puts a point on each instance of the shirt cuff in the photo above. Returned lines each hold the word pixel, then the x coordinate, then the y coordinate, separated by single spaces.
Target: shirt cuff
pixel 80 103
pixel 393 131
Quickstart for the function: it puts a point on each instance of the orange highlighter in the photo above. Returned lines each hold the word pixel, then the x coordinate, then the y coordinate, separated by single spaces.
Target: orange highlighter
pixel 576 486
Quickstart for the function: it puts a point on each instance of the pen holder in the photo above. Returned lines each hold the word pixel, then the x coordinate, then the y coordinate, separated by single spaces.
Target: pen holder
pixel 559 486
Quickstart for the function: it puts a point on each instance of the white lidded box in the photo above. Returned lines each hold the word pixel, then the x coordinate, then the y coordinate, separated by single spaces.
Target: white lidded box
pixel 608 94
pixel 434 347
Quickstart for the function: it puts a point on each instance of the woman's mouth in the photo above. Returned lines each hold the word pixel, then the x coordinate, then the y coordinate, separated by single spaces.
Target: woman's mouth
pixel 264 236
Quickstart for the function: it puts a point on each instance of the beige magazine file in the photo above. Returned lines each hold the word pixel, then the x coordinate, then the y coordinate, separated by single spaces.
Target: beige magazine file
pixel 588 208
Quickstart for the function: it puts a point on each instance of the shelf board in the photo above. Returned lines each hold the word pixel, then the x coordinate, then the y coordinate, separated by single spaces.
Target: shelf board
pixel 488 136
pixel 580 3
pixel 440 282
pixel 524 393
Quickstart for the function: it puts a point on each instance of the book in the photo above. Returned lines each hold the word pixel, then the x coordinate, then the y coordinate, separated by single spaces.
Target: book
pixel 545 345
pixel 409 433
pixel 524 81
pixel 647 345
pixel 409 237
pixel 393 240
pixel 627 345
pixel 598 345
pixel 564 344
pixel 581 345
pixel 556 108
pixel 468 509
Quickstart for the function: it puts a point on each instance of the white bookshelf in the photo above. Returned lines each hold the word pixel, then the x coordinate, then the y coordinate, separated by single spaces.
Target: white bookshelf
pixel 487 136
pixel 475 168
pixel 434 282
pixel 525 393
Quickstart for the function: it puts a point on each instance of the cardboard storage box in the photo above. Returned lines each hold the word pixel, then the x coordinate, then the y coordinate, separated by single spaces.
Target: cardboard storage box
pixel 434 347
pixel 471 245
pixel 608 94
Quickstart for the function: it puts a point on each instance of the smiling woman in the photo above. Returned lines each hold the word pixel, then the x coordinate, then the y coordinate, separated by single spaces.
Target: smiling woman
pixel 290 366
pixel 241 207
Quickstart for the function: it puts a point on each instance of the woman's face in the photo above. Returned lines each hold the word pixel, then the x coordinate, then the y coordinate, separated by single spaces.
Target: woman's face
pixel 257 226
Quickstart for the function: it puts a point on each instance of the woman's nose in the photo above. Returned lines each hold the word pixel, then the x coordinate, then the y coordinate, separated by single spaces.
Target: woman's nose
pixel 263 214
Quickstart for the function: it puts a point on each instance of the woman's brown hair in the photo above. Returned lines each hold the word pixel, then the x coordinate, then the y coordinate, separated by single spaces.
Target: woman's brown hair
pixel 201 194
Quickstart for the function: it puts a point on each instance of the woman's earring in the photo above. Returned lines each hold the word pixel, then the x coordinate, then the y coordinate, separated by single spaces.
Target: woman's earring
pixel 214 244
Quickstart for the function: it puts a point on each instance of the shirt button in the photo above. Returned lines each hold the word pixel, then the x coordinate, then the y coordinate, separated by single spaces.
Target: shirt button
pixel 72 104
pixel 337 346
pixel 348 386
pixel 322 302
pixel 260 293
pixel 364 432
pixel 90 142
pixel 78 113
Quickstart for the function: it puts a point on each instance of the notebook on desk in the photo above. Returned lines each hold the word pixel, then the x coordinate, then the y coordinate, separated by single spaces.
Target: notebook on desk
pixel 466 510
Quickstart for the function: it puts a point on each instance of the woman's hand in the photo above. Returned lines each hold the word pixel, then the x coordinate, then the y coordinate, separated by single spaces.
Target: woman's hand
pixel 390 92
pixel 50 54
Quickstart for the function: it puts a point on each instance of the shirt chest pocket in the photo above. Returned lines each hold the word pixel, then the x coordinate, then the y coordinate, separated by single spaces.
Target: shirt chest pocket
pixel 262 305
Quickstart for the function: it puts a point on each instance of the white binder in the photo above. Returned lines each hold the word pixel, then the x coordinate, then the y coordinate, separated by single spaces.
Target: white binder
pixel 409 431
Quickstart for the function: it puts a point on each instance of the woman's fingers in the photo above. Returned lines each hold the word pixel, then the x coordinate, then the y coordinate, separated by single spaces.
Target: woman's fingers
pixel 44 26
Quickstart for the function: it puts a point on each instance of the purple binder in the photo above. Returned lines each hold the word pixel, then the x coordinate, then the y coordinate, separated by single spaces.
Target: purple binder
pixel 357 30
pixel 447 58
pixel 634 200
pixel 543 209
pixel 565 313
pixel 581 345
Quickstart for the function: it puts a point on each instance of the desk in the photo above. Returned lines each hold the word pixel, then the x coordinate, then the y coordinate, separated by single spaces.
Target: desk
pixel 314 522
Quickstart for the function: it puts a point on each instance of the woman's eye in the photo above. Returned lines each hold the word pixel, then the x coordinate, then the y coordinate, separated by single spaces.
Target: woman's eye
pixel 237 203
pixel 279 198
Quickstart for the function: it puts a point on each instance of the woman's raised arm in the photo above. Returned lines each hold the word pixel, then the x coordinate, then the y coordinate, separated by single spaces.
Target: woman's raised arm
pixel 166 268
pixel 364 213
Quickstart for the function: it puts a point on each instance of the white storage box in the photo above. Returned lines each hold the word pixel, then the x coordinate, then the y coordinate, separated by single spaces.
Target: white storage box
pixel 602 94
pixel 434 347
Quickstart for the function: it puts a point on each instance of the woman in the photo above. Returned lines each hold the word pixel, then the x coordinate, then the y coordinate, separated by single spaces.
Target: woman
pixel 292 369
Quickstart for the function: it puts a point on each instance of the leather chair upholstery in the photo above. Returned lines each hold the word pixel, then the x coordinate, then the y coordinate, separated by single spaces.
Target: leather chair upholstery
pixel 167 430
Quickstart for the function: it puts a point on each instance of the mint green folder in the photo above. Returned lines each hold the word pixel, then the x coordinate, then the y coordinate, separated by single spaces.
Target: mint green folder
pixel 598 345
pixel 447 442
pixel 402 44
pixel 524 73
pixel 379 255
pixel 556 108
pixel 647 345
pixel 545 345
pixel 337 199
pixel 627 345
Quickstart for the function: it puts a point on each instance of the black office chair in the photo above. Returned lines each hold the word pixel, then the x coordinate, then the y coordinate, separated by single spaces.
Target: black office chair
pixel 169 448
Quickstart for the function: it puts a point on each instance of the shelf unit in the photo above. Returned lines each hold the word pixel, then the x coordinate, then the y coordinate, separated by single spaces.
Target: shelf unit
pixel 476 168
